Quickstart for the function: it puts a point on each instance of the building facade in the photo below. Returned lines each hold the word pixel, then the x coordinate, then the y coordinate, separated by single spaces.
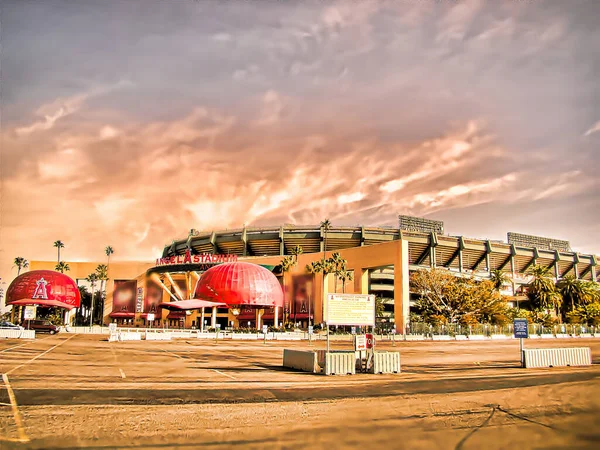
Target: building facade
pixel 381 260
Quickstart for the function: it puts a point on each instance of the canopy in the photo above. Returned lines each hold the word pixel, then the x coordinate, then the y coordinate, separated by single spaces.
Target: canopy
pixel 122 315
pixel 189 304
pixel 240 283
pixel 44 288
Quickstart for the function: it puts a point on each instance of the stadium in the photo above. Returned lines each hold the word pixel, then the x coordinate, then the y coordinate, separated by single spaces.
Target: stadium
pixel 379 258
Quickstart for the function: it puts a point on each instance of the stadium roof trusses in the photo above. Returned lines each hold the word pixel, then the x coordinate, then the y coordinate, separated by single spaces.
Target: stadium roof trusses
pixel 425 249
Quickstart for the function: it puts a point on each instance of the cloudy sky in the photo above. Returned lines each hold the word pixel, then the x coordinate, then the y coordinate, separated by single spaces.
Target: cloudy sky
pixel 130 122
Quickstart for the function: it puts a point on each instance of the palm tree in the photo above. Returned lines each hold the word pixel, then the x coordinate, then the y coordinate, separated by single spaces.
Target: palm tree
pixel 542 289
pixel 92 278
pixel 59 244
pixel 109 251
pixel 62 267
pixel 573 289
pixel 345 275
pixel 286 264
pixel 499 279
pixel 296 251
pixel 102 274
pixel 325 228
pixel 338 266
pixel 21 263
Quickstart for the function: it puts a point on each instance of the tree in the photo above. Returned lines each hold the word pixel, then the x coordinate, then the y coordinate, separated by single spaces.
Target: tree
pixel 92 279
pixel 296 251
pixel 109 251
pixel 287 262
pixel 20 263
pixel 59 244
pixel 446 298
pixel 62 267
pixel 345 275
pixel 542 291
pixel 102 274
pixel 499 279
pixel 572 290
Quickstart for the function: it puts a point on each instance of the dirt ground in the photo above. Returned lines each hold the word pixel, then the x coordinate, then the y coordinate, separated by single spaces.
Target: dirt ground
pixel 80 391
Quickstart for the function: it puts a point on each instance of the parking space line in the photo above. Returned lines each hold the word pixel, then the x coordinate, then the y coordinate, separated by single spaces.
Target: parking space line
pixel 224 374
pixel 40 355
pixel 23 345
pixel 15 410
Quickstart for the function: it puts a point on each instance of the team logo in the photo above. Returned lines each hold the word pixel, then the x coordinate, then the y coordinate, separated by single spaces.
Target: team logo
pixel 40 289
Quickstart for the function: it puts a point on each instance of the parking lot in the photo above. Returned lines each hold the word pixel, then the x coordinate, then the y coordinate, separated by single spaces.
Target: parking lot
pixel 80 391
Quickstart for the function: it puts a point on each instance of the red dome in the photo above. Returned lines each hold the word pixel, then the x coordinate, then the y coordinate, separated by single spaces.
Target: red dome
pixel 240 283
pixel 43 288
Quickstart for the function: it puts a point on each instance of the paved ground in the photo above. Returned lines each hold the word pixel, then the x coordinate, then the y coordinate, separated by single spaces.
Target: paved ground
pixel 83 392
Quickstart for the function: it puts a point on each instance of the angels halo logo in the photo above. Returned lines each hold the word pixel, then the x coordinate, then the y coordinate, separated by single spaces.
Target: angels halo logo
pixel 40 289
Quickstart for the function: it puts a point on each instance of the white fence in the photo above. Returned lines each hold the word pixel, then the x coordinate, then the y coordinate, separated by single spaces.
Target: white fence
pixel 340 363
pixel 557 357
pixel 15 333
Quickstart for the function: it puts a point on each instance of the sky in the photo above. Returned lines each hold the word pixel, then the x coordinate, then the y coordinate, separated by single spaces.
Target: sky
pixel 126 123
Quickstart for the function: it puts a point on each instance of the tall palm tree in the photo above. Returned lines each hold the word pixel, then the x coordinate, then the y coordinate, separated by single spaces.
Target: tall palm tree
pixel 109 251
pixel 499 279
pixel 542 290
pixel 325 228
pixel 572 290
pixel 21 263
pixel 59 244
pixel 62 267
pixel 92 278
pixel 102 274
pixel 287 262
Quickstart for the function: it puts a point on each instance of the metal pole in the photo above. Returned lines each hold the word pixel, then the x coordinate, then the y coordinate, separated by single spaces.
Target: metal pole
pixel 521 349
pixel 327 325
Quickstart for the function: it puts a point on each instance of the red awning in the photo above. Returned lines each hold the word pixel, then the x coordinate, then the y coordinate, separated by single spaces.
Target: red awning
pixel 122 315
pixel 176 315
pixel 183 305
pixel 41 302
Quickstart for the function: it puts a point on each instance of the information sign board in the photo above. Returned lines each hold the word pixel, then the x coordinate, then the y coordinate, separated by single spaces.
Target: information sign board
pixel 150 317
pixel 360 342
pixel 350 309
pixel 265 329
pixel 310 330
pixel 30 312
pixel 521 328
pixel 370 340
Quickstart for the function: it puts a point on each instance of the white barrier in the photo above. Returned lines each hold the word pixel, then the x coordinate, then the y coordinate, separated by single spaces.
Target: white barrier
pixel 209 335
pixel 154 336
pixel 288 337
pixel 244 336
pixel 340 363
pixel 414 337
pixel 181 334
pixel 557 357
pixel 386 362
pixel 563 335
pixel 128 336
pixel 15 333
pixel 441 337
pixel 300 360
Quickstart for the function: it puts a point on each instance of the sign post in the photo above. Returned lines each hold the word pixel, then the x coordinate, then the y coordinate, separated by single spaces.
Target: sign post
pixel 310 332
pixel 150 318
pixel 521 331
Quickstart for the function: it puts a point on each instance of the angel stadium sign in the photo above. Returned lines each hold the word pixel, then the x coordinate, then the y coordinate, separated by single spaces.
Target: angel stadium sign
pixel 203 258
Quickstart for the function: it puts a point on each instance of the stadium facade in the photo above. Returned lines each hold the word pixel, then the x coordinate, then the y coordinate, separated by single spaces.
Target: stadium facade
pixel 381 259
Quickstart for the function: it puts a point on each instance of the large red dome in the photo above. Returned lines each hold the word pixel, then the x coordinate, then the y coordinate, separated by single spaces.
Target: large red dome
pixel 43 288
pixel 240 283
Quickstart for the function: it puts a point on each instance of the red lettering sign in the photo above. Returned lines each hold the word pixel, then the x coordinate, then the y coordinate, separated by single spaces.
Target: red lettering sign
pixel 188 258
pixel 370 340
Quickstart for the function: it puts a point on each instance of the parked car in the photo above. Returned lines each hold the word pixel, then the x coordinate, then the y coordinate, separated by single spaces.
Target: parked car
pixel 6 324
pixel 40 326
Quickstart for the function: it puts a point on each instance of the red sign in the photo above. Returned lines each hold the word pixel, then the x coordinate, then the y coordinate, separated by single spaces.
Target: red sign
pixel 370 340
pixel 188 258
